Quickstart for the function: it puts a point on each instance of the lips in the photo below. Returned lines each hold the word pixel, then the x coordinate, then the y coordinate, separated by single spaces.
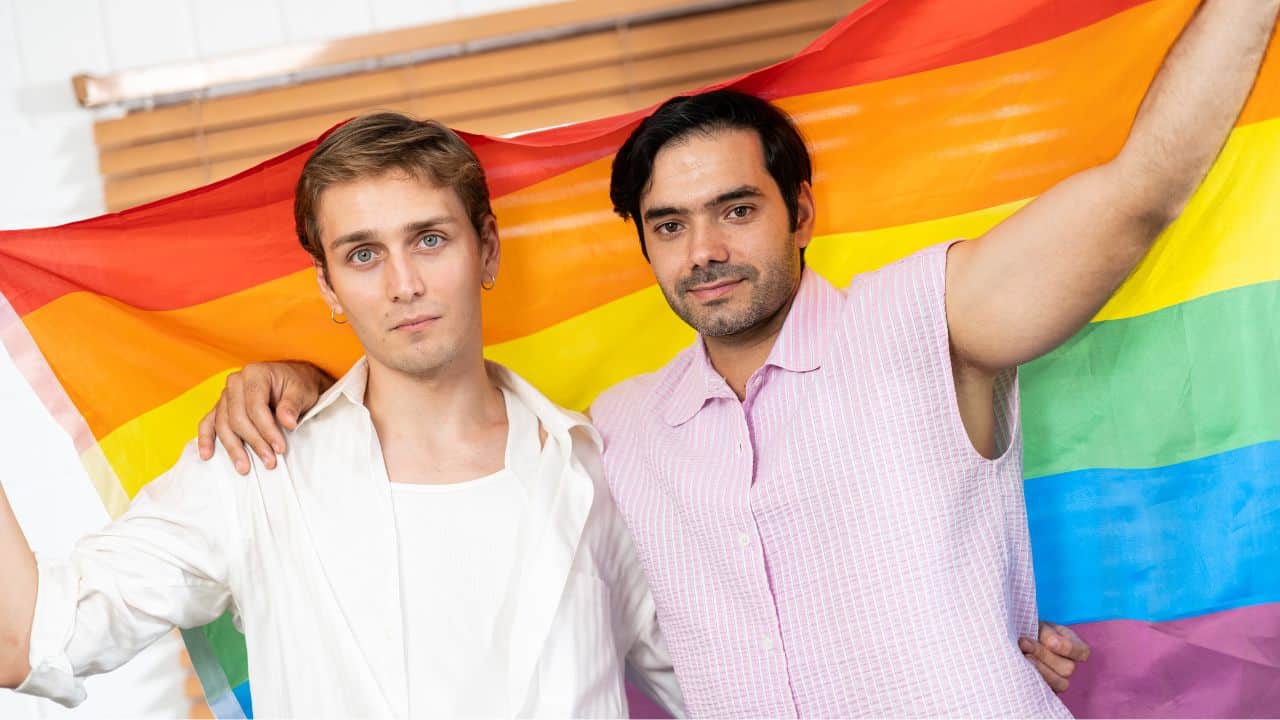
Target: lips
pixel 714 290
pixel 415 324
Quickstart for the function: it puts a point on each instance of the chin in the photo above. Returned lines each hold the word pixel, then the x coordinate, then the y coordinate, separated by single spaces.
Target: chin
pixel 719 325
pixel 427 364
pixel 416 361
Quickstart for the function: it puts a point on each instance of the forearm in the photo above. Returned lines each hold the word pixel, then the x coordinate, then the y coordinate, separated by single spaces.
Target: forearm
pixel 1194 102
pixel 17 597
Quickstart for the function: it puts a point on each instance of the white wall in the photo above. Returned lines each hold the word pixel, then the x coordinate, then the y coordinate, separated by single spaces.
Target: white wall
pixel 46 140
pixel 49 176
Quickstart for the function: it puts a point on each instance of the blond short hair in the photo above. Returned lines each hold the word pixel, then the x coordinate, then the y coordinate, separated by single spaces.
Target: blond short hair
pixel 378 143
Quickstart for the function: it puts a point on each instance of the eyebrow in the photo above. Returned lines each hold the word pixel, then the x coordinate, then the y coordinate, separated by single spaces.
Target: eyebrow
pixel 739 193
pixel 411 228
pixel 420 226
pixel 352 238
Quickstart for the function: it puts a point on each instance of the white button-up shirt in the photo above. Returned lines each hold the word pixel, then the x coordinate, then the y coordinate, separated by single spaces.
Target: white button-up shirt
pixel 305 556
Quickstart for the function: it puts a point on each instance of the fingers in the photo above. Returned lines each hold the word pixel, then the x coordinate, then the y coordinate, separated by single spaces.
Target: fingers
pixel 257 406
pixel 1063 641
pixel 287 415
pixel 204 436
pixel 1058 683
pixel 241 425
pixel 301 385
pixel 294 396
pixel 230 441
pixel 256 403
pixel 1062 667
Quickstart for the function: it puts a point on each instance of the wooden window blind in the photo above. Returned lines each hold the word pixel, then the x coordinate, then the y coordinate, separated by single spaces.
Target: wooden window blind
pixel 547 76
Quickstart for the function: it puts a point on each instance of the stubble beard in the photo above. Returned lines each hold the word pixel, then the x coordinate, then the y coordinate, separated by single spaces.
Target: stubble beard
pixel 770 290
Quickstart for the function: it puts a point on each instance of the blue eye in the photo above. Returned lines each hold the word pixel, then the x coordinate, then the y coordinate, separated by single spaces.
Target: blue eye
pixel 362 256
pixel 431 240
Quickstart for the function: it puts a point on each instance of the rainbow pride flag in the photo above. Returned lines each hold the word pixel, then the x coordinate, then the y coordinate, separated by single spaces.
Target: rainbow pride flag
pixel 1152 437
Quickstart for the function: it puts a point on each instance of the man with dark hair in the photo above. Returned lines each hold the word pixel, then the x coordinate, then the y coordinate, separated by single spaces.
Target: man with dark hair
pixel 827 481
pixel 785 156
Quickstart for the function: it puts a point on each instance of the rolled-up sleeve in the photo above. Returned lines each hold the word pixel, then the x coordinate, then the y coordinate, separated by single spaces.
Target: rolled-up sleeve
pixel 51 673
pixel 162 564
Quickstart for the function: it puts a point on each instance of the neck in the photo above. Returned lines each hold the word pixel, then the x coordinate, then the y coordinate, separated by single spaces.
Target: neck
pixel 433 409
pixel 736 357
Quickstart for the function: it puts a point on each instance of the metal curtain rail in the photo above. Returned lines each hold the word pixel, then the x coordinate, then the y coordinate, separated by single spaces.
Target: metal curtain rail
pixel 273 67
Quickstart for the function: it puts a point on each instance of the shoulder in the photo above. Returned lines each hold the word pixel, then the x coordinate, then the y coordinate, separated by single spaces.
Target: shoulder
pixel 630 403
pixel 193 493
pixel 610 407
pixel 903 274
pixel 190 474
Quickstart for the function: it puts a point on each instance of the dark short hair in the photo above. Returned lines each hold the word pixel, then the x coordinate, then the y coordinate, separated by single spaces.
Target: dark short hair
pixel 378 143
pixel 785 155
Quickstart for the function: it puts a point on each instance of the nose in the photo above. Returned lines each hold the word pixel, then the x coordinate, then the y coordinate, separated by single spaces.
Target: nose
pixel 404 282
pixel 707 245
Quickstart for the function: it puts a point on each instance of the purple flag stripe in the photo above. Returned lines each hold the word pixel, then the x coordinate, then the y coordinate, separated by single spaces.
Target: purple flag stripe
pixel 1225 664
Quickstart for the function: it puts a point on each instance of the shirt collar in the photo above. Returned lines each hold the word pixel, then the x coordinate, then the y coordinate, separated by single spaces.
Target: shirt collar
pixel 555 420
pixel 799 348
pixel 350 387
pixel 699 384
pixel 803 340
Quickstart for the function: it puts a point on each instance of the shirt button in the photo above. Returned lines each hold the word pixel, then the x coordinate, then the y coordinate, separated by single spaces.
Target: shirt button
pixel 744 539
pixel 768 643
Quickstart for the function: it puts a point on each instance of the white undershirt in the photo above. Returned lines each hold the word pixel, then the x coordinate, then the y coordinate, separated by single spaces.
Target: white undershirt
pixel 457 554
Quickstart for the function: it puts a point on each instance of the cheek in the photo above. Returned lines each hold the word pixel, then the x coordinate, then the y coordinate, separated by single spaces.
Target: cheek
pixel 354 290
pixel 665 264
pixel 456 286
pixel 668 277
pixel 454 279
pixel 767 245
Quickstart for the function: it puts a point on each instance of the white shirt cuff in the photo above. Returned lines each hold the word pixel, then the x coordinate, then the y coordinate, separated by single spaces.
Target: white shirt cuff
pixel 51 676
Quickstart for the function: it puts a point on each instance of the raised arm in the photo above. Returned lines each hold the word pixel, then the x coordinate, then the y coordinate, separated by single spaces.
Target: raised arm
pixel 17 597
pixel 1034 280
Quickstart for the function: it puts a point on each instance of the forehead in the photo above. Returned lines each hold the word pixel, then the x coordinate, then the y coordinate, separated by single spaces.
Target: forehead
pixel 701 166
pixel 383 202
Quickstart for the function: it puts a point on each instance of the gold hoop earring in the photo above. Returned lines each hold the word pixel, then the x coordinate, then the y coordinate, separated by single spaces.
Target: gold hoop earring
pixel 333 315
pixel 489 281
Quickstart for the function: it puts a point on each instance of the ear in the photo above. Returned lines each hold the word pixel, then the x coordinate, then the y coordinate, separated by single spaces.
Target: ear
pixel 805 215
pixel 326 290
pixel 490 246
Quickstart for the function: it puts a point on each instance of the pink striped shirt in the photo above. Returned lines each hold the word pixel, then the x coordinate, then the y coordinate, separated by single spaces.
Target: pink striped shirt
pixel 832 545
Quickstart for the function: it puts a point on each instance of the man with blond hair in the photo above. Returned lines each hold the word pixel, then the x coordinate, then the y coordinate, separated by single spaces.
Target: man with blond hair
pixel 437 542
